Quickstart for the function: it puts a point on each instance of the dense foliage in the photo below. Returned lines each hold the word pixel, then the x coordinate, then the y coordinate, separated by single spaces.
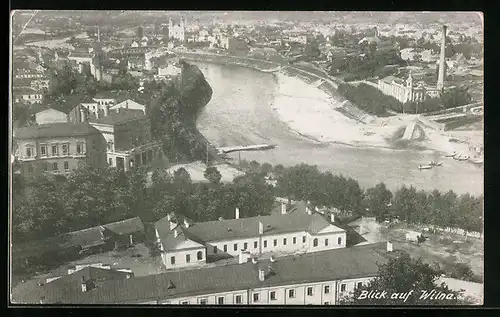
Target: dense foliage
pixel 369 99
pixel 405 281
pixel 173 110
pixel 89 197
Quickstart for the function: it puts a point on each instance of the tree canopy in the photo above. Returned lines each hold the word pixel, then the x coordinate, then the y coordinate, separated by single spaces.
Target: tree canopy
pixel 405 281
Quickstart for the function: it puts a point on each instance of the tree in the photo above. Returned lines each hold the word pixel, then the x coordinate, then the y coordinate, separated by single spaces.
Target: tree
pixel 311 49
pixel 456 97
pixel 377 199
pixel 213 175
pixel 405 281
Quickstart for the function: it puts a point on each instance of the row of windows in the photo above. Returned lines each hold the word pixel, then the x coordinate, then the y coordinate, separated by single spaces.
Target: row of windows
pixel 55 166
pixel 65 149
pixel 272 295
pixel 275 243
pixel 199 256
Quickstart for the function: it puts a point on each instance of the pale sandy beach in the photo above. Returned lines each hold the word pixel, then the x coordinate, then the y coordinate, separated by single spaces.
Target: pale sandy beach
pixel 310 111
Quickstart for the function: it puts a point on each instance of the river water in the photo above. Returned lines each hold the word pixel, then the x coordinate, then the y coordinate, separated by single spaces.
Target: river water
pixel 241 113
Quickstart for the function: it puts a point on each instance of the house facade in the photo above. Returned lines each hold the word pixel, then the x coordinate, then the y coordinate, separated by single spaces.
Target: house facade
pixel 295 233
pixel 128 137
pixel 59 148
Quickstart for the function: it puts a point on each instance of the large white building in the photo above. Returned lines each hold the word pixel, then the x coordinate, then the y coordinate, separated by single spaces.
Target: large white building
pixel 176 31
pixel 320 278
pixel 183 243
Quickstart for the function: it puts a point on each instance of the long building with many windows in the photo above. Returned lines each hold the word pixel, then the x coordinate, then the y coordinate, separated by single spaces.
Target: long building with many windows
pixel 321 278
pixel 58 148
pixel 184 244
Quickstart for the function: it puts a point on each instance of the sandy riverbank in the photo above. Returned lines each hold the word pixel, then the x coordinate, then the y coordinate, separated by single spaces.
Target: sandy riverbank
pixel 310 111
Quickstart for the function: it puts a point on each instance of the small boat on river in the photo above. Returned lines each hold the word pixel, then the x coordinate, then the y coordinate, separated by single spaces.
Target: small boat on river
pixel 451 155
pixel 461 157
pixel 432 163
pixel 424 167
pixel 477 161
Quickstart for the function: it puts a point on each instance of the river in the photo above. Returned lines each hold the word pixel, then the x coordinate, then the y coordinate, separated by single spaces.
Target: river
pixel 241 113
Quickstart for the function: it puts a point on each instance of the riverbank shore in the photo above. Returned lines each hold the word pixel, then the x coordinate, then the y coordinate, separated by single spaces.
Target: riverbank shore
pixel 310 105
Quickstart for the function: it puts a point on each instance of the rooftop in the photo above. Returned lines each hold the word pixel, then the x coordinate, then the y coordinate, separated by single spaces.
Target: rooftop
pixel 243 228
pixel 123 115
pixel 66 129
pixel 360 261
pixel 82 238
pixel 80 55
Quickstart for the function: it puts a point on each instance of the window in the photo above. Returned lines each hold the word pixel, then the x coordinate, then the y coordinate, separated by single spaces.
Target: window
pixel 55 166
pixel 43 149
pixel 327 303
pixel 54 150
pixel 275 242
pixel 110 161
pixel 265 243
pixel 309 291
pixel 225 247
pixel 237 299
pixel 304 239
pixel 360 284
pixel 255 297
pixel 79 148
pixel 255 245
pixel 342 287
pixel 65 149
pixel 188 258
pixel 327 289
pixel 199 255
pixel 294 240
pixel 215 250
pixel 245 245
pixel 220 300
pixel 284 241
pixel 291 293
pixel 29 151
pixel 30 170
pixel 172 260
pixel 272 295
pixel 235 247
pixel 66 165
pixel 315 242
pixel 326 242
pixel 203 301
pixel 339 241
pixel 185 303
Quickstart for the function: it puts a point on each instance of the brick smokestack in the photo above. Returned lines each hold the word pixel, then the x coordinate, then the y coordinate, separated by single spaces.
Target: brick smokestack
pixel 440 83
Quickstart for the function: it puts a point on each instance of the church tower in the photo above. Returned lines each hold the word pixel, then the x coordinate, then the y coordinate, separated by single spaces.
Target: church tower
pixel 409 88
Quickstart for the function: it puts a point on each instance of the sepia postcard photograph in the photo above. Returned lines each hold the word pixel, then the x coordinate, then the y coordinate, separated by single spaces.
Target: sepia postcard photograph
pixel 326 158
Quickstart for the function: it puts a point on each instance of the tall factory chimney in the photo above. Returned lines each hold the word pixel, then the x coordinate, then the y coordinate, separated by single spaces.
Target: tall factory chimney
pixel 440 83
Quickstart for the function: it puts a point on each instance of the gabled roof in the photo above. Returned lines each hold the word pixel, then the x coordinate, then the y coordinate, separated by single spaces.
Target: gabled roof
pixel 249 227
pixel 61 129
pixel 80 55
pixel 88 273
pixel 124 115
pixel 337 264
pixel 82 238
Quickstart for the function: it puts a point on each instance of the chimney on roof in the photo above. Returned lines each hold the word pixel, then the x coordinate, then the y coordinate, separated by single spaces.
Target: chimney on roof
pixel 272 259
pixel 254 260
pixel 283 208
pixel 129 275
pixel 176 232
pixel 389 246
pixel 126 104
pixel 261 228
pixel 84 285
pixel 97 114
pixel 186 223
pixel 83 115
pixel 243 257
pixel 237 215
pixel 332 217
pixel 106 111
pixel 262 275
pixel 173 224
pixel 309 211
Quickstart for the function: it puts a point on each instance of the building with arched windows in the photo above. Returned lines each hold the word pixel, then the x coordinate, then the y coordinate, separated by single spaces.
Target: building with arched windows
pixel 183 243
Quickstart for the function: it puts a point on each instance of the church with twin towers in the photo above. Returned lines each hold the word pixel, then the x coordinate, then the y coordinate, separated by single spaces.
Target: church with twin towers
pixel 176 30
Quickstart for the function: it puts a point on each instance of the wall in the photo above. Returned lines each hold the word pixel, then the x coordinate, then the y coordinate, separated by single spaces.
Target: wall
pixel 180 257
pixel 96 150
pixel 50 116
pixel 301 297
